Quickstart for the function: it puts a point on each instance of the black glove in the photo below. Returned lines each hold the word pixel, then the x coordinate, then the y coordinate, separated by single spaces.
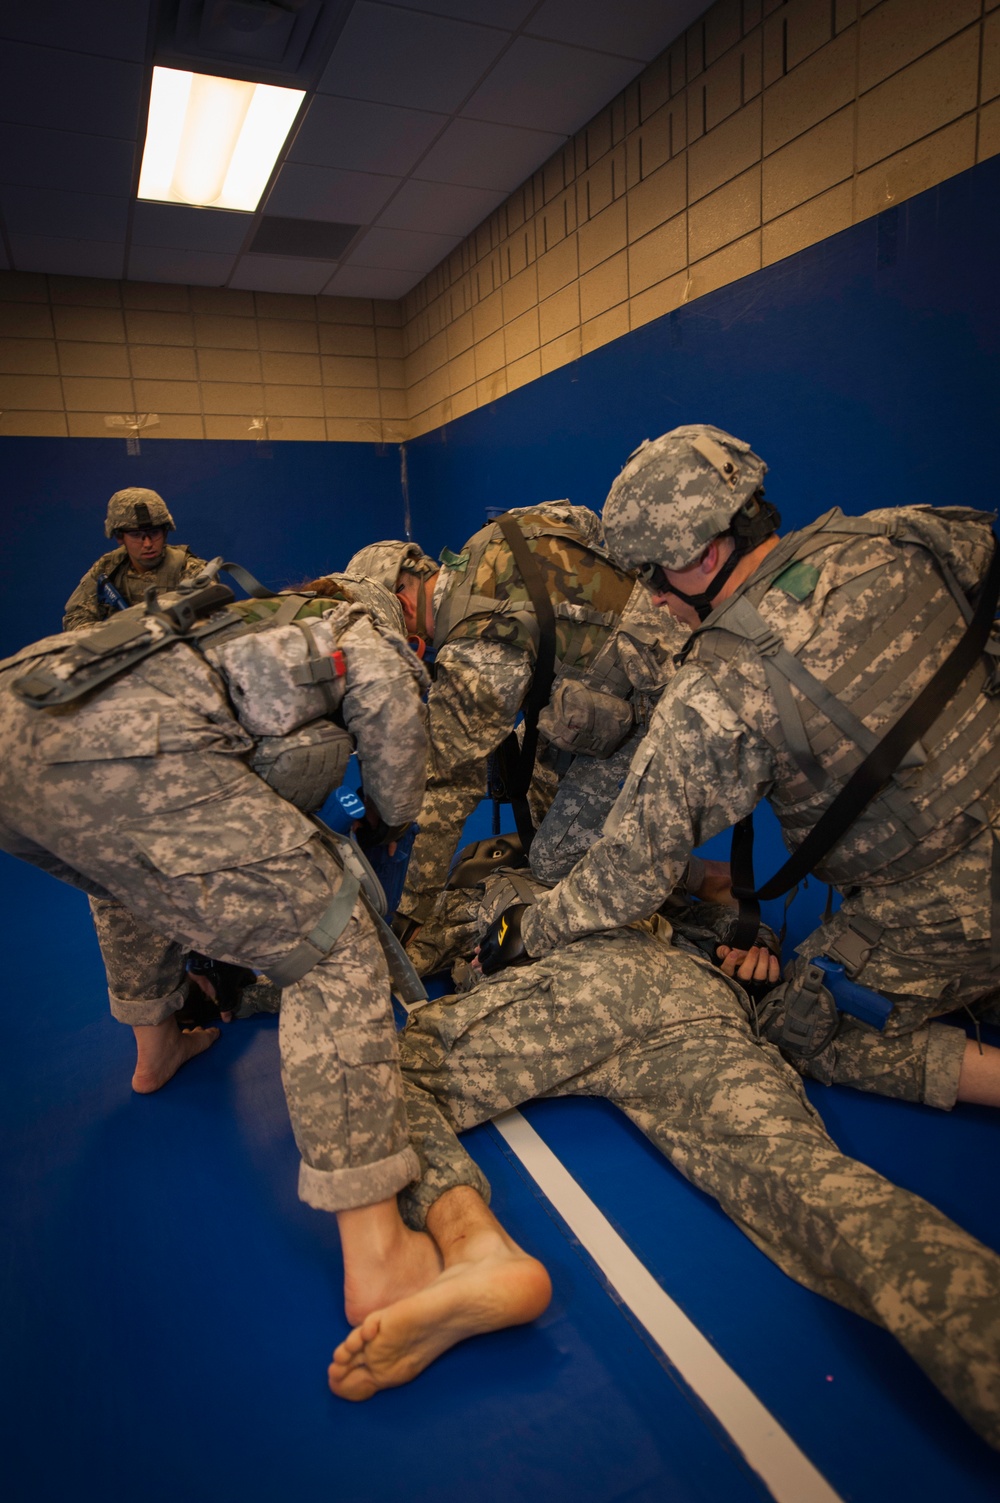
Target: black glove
pixel 502 944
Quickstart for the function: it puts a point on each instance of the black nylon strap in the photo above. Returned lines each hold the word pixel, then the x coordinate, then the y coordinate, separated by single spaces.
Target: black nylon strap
pixel 872 775
pixel 520 766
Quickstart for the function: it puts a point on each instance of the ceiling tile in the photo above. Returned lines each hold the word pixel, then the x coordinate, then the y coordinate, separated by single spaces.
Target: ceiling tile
pixel 361 137
pixel 46 211
pixel 149 263
pixel 629 28
pixel 71 258
pixel 366 281
pixel 120 27
pixel 406 58
pixel 507 13
pixel 480 154
pixel 64 159
pixel 520 90
pixel 176 227
pixel 402 250
pixel 443 208
pixel 280 274
pixel 304 192
pixel 43 86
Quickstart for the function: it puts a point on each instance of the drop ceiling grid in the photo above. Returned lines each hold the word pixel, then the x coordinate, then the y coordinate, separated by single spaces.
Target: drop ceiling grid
pixel 426 117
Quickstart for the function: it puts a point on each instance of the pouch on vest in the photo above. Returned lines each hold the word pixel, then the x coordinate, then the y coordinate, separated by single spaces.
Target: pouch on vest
pixel 585 721
pixel 305 766
pixel 284 677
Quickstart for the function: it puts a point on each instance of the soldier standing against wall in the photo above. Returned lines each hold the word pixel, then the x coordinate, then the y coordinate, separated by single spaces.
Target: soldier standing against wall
pixel 804 651
pixel 139 520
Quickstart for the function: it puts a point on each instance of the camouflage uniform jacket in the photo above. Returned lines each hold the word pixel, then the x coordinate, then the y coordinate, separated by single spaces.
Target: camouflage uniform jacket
pixel 872 618
pixel 487 640
pixel 83 607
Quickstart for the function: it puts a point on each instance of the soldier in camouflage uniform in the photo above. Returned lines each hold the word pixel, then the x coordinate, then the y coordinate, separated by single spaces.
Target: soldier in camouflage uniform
pixel 803 651
pixel 146 788
pixel 477 611
pixel 148 972
pixel 628 1016
pixel 140 521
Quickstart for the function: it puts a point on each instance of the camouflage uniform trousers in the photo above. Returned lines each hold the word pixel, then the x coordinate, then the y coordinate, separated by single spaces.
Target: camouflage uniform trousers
pixel 576 816
pixel 623 1016
pixel 933 958
pixel 147 972
pixel 199 849
pixel 478 690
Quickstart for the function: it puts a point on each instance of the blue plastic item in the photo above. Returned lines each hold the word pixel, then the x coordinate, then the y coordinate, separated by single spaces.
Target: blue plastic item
pixel 860 1001
pixel 351 804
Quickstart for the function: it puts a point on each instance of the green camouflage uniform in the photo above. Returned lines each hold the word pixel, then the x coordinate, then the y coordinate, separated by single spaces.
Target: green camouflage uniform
pixel 716 747
pixel 624 1016
pixel 140 794
pixel 482 672
pixel 83 607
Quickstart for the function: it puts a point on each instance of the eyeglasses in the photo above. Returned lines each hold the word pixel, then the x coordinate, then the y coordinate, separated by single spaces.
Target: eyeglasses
pixel 654 576
pixel 135 533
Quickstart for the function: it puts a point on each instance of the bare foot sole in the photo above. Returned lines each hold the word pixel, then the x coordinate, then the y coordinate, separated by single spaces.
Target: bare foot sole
pixel 415 1265
pixel 393 1345
pixel 163 1050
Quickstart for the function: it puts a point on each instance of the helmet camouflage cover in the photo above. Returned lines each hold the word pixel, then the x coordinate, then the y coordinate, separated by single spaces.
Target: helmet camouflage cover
pixel 383 562
pixel 676 494
pixel 136 507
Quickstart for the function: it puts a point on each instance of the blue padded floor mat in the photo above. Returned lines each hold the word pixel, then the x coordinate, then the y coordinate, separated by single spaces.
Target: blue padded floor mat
pixel 169 1306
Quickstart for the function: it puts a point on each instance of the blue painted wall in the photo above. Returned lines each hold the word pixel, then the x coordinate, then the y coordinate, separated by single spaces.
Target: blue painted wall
pixel 288 511
pixel 864 370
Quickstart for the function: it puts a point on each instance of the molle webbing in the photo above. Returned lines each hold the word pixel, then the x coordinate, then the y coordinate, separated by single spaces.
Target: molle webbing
pixel 882 760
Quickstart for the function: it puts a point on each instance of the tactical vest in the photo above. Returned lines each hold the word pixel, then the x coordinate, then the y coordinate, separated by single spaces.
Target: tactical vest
pixel 596 604
pixel 948 787
pixel 278 656
pixel 486 598
pixel 131 583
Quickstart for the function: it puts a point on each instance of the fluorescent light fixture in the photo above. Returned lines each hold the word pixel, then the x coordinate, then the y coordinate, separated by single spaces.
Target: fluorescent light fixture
pixel 213 141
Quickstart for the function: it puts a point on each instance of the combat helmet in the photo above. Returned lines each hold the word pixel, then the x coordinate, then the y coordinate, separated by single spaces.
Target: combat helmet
pixel 680 491
pixel 382 562
pixel 136 507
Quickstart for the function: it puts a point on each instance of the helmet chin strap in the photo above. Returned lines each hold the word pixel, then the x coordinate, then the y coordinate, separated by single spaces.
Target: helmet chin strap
pixel 704 603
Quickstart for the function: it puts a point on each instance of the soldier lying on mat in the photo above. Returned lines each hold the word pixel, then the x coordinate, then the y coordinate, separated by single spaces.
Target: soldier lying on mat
pixel 665 1034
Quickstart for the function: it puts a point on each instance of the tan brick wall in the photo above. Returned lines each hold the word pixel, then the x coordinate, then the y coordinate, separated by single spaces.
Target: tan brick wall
pixel 210 363
pixel 768 126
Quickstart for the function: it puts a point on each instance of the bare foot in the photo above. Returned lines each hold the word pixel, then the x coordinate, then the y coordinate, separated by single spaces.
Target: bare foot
pixel 494 1285
pixel 384 1261
pixel 416 1264
pixel 161 1049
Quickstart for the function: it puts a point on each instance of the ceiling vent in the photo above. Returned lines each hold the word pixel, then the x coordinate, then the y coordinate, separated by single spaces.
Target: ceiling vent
pixel 312 239
pixel 270 41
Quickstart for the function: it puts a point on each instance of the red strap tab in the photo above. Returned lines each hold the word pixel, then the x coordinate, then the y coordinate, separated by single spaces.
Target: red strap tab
pixel 339 662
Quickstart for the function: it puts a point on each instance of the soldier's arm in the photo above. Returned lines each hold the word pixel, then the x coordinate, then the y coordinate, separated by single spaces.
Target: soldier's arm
pixel 478 689
pixel 698 770
pixel 82 608
pixel 384 712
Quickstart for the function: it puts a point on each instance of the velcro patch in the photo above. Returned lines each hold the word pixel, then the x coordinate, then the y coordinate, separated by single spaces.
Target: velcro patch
pixel 798 580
